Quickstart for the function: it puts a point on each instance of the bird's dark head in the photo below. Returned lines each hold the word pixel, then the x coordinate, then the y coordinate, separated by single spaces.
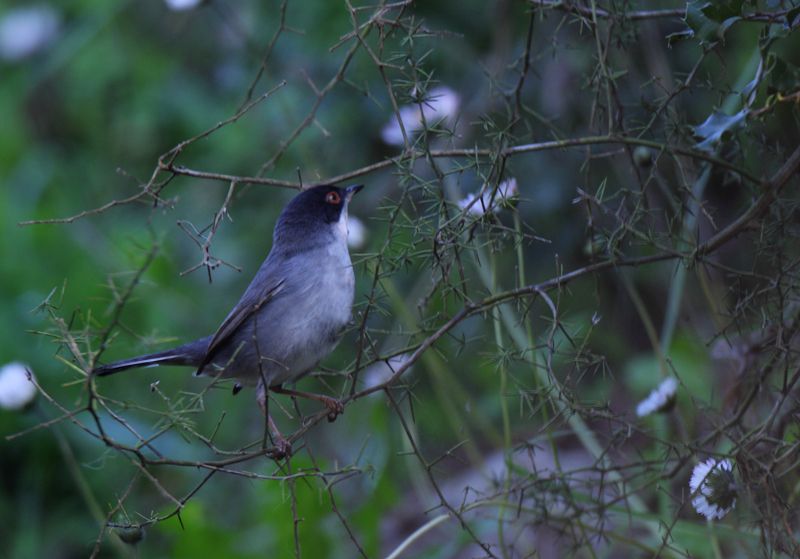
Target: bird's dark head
pixel 315 216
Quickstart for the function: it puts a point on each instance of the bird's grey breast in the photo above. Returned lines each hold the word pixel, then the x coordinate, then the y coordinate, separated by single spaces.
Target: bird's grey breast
pixel 304 323
pixel 325 280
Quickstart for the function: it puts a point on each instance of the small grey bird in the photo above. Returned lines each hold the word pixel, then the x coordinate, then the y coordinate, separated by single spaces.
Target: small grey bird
pixel 292 314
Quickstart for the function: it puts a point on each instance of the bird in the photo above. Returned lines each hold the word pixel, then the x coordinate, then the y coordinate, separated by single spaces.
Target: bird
pixel 289 318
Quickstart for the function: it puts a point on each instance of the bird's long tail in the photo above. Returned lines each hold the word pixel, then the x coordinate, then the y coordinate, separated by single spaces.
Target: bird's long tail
pixel 190 354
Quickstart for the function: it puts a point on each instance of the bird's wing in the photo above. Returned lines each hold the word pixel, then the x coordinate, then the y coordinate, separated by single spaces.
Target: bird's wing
pixel 251 302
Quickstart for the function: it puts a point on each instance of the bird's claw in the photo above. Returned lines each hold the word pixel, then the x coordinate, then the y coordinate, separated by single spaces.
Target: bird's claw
pixel 283 448
pixel 335 408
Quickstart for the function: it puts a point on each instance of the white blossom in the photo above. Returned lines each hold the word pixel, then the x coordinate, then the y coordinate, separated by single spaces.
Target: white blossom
pixel 440 103
pixel 356 233
pixel 713 488
pixel 25 30
pixel 16 387
pixel 660 399
pixel 181 5
pixel 485 202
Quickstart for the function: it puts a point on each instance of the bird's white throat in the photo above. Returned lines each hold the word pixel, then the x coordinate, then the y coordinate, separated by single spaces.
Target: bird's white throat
pixel 341 225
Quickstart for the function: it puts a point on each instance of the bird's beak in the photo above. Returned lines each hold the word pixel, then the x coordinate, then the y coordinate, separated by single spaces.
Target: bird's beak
pixel 350 191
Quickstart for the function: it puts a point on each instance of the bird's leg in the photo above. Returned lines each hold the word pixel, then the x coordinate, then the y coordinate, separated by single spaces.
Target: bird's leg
pixel 335 407
pixel 282 445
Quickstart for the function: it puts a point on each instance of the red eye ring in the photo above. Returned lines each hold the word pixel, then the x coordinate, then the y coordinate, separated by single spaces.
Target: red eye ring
pixel 333 197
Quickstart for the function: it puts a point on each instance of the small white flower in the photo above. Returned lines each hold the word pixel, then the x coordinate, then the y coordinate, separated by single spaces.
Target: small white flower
pixel 713 488
pixel 660 399
pixel 356 233
pixel 485 203
pixel 440 103
pixel 16 387
pixel 25 30
pixel 181 5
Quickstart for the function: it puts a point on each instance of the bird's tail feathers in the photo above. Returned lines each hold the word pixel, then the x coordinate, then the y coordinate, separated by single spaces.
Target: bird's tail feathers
pixel 169 357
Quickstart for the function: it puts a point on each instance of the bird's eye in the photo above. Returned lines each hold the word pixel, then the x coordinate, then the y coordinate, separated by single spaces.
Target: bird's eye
pixel 333 197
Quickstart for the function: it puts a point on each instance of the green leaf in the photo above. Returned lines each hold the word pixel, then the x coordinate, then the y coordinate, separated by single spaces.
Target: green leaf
pixel 725 25
pixel 715 126
pixel 792 18
pixel 678 36
pixel 701 26
pixel 709 21
pixel 720 11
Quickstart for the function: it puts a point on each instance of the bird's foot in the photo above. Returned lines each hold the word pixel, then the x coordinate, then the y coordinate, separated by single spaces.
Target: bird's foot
pixel 283 448
pixel 335 407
